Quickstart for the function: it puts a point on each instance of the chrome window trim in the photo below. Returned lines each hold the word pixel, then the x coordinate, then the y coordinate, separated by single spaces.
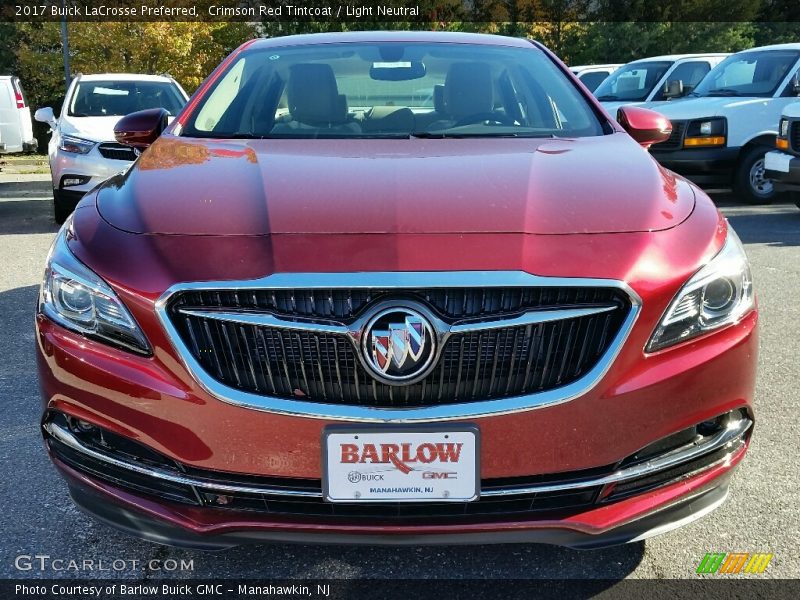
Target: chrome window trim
pixel 400 280
pixel 734 430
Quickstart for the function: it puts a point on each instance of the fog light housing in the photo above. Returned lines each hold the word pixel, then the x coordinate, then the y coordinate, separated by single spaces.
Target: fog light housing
pixel 74 180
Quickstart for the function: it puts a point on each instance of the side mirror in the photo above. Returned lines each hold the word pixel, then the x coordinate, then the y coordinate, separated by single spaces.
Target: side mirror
pixel 795 85
pixel 674 89
pixel 45 115
pixel 645 126
pixel 140 129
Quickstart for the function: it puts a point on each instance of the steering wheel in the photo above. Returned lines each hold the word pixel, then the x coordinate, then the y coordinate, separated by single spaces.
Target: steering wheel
pixel 487 116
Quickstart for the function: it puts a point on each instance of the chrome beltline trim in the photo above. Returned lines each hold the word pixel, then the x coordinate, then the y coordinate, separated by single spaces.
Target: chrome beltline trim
pixel 399 280
pixel 734 430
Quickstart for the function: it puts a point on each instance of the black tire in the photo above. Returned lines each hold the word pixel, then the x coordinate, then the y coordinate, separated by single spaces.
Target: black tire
pixel 61 209
pixel 749 182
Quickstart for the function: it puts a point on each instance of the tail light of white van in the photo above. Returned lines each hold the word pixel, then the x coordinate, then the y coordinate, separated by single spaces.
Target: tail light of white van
pixel 18 94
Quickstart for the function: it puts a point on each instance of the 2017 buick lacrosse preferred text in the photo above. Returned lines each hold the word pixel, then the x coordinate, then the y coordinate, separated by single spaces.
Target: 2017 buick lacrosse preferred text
pixel 396 288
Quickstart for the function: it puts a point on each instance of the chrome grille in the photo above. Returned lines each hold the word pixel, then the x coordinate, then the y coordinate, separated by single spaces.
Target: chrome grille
pixel 675 139
pixel 116 151
pixel 324 367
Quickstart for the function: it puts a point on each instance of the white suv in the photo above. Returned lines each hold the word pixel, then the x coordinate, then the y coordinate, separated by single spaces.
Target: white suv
pixel 721 132
pixel 82 149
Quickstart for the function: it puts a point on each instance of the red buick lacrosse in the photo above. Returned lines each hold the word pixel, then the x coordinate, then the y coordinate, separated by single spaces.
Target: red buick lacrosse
pixel 396 288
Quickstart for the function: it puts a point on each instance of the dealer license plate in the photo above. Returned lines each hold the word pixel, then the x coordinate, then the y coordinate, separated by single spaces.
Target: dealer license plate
pixel 400 464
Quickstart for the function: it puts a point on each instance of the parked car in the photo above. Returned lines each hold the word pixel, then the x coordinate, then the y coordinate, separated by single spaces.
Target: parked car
pixel 309 312
pixel 16 129
pixel 723 130
pixel 783 165
pixel 82 150
pixel 593 75
pixel 655 79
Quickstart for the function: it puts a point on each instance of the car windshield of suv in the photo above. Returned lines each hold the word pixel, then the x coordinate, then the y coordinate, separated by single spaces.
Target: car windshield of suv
pixel 757 73
pixel 120 98
pixel 633 82
pixel 372 90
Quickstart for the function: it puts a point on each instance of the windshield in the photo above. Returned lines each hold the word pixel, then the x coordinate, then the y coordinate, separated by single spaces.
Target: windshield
pixel 633 82
pixel 120 98
pixel 757 73
pixel 393 90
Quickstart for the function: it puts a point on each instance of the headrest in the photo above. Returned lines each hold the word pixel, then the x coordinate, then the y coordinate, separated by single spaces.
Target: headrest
pixel 313 95
pixel 468 89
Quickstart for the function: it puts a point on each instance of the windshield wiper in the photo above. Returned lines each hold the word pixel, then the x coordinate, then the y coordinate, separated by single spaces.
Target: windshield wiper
pixel 723 92
pixel 608 97
pixel 435 135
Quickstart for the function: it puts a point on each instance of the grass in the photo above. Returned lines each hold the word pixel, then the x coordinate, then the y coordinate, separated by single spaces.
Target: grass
pixel 24 164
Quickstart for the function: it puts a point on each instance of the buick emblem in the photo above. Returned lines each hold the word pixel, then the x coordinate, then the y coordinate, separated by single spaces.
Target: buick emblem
pixel 398 345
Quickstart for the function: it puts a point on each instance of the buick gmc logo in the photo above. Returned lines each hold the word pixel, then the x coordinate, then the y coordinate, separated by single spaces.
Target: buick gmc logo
pixel 398 345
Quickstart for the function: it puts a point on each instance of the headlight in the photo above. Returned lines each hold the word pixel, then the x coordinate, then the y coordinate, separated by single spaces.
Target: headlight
pixel 706 132
pixel 76 298
pixel 75 145
pixel 719 294
pixel 784 128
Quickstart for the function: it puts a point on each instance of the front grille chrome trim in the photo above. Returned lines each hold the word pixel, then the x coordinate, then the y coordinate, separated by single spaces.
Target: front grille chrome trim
pixel 400 280
pixel 734 430
pixel 266 320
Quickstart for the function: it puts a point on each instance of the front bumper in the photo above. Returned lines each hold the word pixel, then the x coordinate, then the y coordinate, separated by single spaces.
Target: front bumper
pixel 783 169
pixel 628 521
pixel 92 165
pixel 630 502
pixel 703 166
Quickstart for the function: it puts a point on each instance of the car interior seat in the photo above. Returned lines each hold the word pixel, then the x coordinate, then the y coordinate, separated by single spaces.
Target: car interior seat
pixel 314 101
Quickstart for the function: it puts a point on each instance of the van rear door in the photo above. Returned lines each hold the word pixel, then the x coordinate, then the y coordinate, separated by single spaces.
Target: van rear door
pixel 10 129
pixel 25 122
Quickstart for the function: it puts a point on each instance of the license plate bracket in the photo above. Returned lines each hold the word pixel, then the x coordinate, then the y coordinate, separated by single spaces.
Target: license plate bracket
pixel 399 463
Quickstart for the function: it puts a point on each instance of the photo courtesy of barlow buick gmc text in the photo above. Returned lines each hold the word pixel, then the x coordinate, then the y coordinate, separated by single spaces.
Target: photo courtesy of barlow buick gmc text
pixel 378 300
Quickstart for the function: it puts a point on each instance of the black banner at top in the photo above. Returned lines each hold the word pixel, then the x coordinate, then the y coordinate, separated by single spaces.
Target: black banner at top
pixel 400 11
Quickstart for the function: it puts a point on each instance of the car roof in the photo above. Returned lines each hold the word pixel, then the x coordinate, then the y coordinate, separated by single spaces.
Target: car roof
pixel 674 57
pixel 794 46
pixel 586 67
pixel 124 77
pixel 393 36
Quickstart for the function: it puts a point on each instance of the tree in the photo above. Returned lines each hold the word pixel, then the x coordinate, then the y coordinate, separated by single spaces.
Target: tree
pixel 187 51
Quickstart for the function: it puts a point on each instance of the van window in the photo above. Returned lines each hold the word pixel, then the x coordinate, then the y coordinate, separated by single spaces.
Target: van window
pixel 633 82
pixel 691 73
pixel 593 79
pixel 757 73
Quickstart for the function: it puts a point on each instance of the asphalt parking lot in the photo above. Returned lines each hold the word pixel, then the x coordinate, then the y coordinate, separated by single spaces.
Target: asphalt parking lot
pixel 761 515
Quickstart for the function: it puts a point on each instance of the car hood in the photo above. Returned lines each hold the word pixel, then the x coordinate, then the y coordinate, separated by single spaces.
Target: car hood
pixel 257 187
pixel 95 129
pixel 700 108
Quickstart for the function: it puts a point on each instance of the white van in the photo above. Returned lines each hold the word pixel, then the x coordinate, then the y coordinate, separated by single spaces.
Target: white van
pixel 655 79
pixel 16 129
pixel 721 132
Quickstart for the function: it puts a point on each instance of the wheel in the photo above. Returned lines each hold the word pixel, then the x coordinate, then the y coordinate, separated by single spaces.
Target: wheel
pixel 61 209
pixel 749 181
